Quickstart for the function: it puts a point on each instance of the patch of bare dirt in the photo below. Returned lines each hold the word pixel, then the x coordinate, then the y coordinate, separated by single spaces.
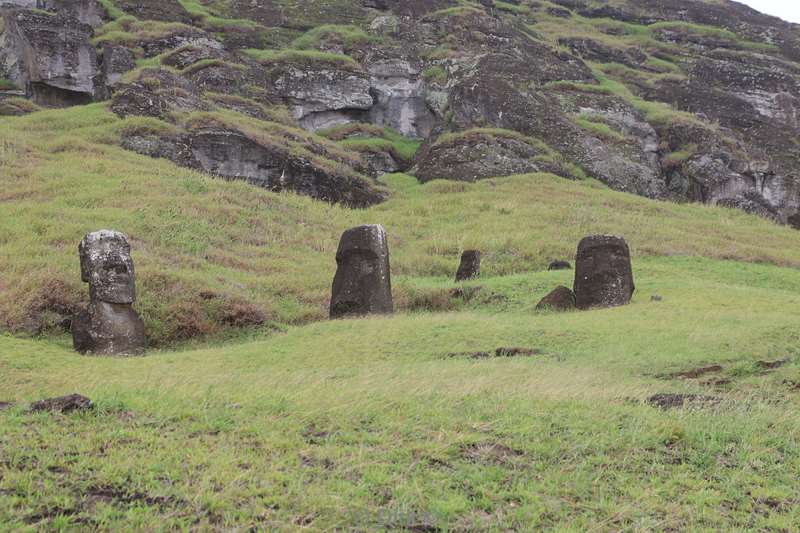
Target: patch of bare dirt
pixel 679 401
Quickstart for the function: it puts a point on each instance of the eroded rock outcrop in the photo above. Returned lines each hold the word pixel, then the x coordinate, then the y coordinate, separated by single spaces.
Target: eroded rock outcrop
pixel 362 284
pixel 50 56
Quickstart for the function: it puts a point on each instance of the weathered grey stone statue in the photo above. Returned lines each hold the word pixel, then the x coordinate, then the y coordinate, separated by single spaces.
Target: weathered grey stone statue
pixel 603 273
pixel 362 284
pixel 109 325
pixel 470 266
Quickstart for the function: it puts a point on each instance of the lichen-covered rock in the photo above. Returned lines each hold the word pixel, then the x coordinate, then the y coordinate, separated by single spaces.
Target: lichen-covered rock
pixel 108 329
pixel 89 12
pixel 477 155
pixel 595 51
pixel 109 325
pixel 400 98
pixel 156 93
pixel 603 272
pixel 322 96
pixel 161 10
pixel 107 266
pixel 470 266
pixel 362 284
pixel 50 55
pixel 116 62
pixel 232 154
pixel 559 299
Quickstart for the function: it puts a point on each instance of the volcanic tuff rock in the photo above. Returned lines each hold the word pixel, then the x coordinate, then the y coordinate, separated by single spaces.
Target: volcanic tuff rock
pixel 687 100
pixel 50 56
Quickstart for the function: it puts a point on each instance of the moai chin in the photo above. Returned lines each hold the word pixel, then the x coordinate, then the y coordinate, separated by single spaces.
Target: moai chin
pixel 470 267
pixel 603 272
pixel 362 284
pixel 109 325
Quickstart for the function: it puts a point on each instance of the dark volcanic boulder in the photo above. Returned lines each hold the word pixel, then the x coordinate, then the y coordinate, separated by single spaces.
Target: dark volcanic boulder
pixel 559 265
pixel 470 266
pixel 603 273
pixel 50 55
pixel 63 404
pixel 362 284
pixel 559 299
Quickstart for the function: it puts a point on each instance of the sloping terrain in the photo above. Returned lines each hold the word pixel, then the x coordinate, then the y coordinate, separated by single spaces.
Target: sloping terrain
pixel 233 141
pixel 213 256
pixel 403 424
pixel 672 99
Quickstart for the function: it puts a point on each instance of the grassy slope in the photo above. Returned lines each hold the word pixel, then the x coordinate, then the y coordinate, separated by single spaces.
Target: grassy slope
pixel 191 233
pixel 367 423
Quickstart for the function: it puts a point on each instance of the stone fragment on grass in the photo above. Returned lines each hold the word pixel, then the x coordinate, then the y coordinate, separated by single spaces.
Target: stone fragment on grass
pixel 673 401
pixel 559 265
pixel 362 284
pixel 470 266
pixel 603 272
pixel 63 404
pixel 559 299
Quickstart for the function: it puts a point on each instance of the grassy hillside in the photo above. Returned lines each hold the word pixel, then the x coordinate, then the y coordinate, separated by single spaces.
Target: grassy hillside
pixel 209 253
pixel 388 423
pixel 373 424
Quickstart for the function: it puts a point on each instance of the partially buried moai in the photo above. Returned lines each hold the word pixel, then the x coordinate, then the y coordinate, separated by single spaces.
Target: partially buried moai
pixel 470 266
pixel 603 273
pixel 109 325
pixel 362 284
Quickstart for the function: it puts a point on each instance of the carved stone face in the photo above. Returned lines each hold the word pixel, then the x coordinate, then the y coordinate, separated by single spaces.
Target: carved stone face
pixel 362 284
pixel 107 266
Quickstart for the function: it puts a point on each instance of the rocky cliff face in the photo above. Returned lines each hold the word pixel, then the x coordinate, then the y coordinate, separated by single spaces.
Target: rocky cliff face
pixel 685 100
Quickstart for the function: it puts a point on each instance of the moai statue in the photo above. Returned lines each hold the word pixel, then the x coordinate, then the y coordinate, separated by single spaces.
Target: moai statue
pixel 109 326
pixel 362 284
pixel 470 266
pixel 559 299
pixel 603 273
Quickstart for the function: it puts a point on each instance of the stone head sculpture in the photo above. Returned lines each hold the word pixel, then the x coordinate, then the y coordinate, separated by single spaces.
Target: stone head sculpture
pixel 362 284
pixel 470 266
pixel 603 272
pixel 109 325
pixel 107 267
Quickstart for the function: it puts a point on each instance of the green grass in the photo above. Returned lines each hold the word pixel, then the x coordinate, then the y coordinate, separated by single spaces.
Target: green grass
pixel 369 424
pixel 7 85
pixel 349 36
pixel 215 21
pixel 435 74
pixel 679 157
pixel 303 57
pixel 595 125
pixel 363 137
pixel 192 233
